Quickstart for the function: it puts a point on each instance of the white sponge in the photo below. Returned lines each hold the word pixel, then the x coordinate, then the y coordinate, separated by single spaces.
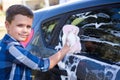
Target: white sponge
pixel 70 33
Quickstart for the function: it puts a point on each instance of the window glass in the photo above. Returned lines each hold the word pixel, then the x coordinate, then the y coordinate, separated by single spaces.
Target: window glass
pixel 101 32
pixel 43 37
pixel 48 29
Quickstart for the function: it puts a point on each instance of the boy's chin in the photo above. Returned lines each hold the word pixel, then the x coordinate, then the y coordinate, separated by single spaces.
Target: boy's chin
pixel 22 40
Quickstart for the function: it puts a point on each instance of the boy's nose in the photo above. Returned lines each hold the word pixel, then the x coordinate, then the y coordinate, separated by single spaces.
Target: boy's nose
pixel 25 29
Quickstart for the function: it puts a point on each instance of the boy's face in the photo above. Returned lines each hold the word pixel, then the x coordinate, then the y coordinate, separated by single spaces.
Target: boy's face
pixel 20 27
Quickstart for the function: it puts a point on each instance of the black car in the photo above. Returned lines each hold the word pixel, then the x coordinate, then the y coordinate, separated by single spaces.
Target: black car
pixel 99 24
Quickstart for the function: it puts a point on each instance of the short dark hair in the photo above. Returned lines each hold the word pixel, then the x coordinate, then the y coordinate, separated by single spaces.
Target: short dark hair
pixel 18 9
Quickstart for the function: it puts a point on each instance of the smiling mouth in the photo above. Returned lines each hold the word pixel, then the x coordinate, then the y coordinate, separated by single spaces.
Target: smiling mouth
pixel 24 36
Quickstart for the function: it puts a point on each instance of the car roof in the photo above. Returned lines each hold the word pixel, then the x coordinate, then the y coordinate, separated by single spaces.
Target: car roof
pixel 45 13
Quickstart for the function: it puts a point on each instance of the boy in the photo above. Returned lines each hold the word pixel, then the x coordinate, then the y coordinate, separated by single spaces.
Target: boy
pixel 16 62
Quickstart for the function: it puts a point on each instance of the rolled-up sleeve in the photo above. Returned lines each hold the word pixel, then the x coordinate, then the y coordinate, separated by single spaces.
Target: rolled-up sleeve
pixel 44 64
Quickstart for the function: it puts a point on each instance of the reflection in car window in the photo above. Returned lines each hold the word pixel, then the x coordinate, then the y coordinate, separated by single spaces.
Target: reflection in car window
pixel 101 37
pixel 48 29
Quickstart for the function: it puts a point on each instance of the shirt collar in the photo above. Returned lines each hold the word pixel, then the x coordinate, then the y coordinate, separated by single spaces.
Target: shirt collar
pixel 8 38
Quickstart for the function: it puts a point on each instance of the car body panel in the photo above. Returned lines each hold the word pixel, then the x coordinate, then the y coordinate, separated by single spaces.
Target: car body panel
pixel 84 68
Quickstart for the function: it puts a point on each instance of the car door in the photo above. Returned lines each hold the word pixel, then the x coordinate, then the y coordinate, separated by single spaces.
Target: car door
pixel 100 37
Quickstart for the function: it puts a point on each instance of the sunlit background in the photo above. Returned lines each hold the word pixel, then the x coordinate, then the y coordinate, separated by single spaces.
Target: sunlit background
pixel 32 4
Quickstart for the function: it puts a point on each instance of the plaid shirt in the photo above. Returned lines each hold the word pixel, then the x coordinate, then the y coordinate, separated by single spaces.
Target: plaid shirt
pixel 16 62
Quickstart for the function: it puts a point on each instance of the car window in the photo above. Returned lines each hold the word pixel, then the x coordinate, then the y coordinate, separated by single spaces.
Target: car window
pixel 48 29
pixel 101 35
pixel 50 33
pixel 44 37
pixel 101 32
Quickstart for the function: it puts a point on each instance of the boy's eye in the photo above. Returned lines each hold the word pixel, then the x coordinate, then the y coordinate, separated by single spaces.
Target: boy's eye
pixel 28 26
pixel 20 25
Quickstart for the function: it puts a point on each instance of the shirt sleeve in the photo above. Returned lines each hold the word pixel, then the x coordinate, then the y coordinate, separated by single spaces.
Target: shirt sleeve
pixel 25 58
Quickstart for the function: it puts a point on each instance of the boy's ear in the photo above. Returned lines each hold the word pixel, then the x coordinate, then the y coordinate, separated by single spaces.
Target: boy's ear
pixel 7 24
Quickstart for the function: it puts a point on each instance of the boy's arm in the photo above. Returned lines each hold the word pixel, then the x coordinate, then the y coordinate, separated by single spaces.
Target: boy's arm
pixel 22 56
pixel 54 59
